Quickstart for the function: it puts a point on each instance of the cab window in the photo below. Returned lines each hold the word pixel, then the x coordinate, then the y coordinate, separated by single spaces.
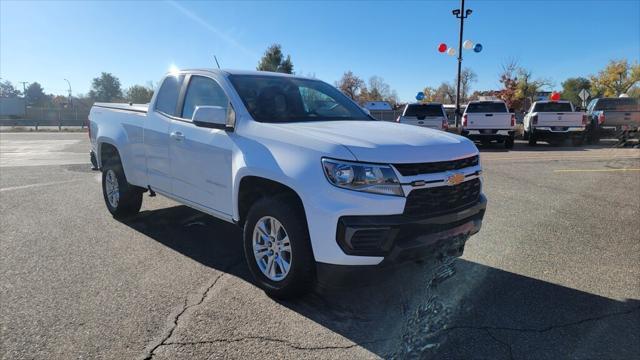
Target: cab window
pixel 203 91
pixel 167 99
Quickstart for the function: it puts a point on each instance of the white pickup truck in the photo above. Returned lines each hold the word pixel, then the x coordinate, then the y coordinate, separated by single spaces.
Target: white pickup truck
pixel 430 115
pixel 487 121
pixel 555 122
pixel 318 186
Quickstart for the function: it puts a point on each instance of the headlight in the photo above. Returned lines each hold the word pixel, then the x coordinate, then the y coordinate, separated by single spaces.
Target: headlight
pixel 372 178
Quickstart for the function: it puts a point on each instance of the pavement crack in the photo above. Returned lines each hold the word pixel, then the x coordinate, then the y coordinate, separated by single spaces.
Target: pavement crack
pixel 504 343
pixel 270 339
pixel 547 328
pixel 186 306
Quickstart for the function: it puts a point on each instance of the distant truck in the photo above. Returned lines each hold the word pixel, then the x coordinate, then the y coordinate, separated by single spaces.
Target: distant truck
pixel 429 115
pixel 612 117
pixel 488 121
pixel 555 122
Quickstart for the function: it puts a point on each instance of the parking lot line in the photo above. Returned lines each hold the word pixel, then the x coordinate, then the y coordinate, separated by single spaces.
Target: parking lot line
pixel 38 185
pixel 593 170
pixel 562 157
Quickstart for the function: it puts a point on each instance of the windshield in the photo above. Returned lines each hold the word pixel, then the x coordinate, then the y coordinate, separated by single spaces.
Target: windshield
pixel 487 107
pixel 552 107
pixel 279 99
pixel 422 110
pixel 618 104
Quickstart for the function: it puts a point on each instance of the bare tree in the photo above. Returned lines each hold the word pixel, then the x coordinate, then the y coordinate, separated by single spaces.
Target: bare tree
pixel 467 77
pixel 350 85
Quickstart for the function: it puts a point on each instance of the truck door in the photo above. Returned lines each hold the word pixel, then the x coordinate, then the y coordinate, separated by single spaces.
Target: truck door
pixel 156 133
pixel 200 156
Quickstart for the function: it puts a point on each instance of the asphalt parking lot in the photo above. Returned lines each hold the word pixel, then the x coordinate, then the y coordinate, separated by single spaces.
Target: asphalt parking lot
pixel 554 273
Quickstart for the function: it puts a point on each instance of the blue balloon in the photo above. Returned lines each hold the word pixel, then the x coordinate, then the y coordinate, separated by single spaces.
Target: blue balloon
pixel 477 48
pixel 420 96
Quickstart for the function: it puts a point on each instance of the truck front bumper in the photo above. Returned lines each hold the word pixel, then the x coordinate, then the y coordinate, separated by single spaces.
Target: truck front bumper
pixel 400 239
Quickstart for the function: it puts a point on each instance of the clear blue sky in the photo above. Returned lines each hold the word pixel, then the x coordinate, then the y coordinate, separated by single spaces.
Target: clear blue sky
pixel 138 41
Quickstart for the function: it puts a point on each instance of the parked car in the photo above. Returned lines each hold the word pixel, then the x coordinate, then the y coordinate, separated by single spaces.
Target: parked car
pixel 555 122
pixel 612 117
pixel 317 185
pixel 430 115
pixel 488 121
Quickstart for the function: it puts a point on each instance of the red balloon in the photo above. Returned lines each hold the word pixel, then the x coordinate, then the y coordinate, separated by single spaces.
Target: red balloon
pixel 442 47
pixel 555 96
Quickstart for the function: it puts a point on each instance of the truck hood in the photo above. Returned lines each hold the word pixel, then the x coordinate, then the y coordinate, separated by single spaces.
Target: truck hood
pixel 386 142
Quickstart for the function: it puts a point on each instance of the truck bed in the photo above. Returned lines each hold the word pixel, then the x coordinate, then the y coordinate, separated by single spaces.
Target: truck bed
pixel 124 106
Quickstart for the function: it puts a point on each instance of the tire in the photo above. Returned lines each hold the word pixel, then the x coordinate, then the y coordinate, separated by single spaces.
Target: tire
pixel 125 199
pixel 508 142
pixel 577 140
pixel 277 281
pixel 594 136
pixel 532 139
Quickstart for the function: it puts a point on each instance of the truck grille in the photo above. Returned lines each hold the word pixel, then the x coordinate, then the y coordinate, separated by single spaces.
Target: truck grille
pixel 436 167
pixel 442 199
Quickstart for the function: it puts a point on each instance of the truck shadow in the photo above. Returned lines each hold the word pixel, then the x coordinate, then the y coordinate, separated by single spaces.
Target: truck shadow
pixel 411 312
pixel 522 145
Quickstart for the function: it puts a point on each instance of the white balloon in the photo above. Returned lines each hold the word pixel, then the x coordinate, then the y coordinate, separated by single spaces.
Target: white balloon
pixel 467 44
pixel 451 51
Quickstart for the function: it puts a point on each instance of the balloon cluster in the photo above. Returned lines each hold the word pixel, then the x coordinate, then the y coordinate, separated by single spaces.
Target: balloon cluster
pixel 555 96
pixel 468 45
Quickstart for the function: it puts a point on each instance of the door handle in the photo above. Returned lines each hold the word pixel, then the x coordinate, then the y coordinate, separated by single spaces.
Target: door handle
pixel 177 136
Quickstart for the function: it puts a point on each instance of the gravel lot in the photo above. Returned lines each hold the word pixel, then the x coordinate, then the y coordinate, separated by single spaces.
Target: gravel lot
pixel 554 273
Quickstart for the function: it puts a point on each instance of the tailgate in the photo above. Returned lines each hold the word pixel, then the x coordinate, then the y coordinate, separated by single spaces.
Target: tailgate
pixel 619 118
pixel 488 121
pixel 434 122
pixel 559 119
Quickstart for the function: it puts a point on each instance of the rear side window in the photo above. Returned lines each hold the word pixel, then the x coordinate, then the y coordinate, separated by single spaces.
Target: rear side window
pixel 203 91
pixel 619 104
pixel 552 107
pixel 487 107
pixel 167 100
pixel 422 110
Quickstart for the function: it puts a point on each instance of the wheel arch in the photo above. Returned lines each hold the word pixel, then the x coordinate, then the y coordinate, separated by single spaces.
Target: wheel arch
pixel 253 187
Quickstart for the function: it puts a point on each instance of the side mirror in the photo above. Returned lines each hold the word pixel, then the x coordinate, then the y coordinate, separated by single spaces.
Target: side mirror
pixel 366 111
pixel 215 117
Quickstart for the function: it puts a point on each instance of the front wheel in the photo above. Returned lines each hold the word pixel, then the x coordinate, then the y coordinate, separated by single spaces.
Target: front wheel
pixel 277 247
pixel 122 199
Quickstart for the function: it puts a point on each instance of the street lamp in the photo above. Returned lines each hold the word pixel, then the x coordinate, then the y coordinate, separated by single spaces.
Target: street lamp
pixel 68 83
pixel 458 13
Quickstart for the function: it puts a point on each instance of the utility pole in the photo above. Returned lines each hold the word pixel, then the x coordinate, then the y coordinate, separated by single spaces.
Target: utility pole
pixel 460 14
pixel 24 95
pixel 68 83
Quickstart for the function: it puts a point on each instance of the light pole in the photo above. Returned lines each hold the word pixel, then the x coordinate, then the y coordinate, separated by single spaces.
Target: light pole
pixel 68 83
pixel 460 14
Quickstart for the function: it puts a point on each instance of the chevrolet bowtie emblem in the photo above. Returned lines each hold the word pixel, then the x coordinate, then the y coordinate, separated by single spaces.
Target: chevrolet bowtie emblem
pixel 455 179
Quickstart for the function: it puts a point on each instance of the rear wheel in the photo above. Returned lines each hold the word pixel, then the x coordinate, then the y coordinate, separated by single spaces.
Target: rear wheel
pixel 277 247
pixel 122 199
pixel 577 140
pixel 532 139
pixel 508 142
